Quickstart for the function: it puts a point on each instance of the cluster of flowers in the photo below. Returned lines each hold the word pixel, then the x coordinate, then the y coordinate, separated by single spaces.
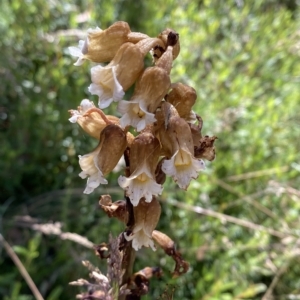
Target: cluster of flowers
pixel 155 127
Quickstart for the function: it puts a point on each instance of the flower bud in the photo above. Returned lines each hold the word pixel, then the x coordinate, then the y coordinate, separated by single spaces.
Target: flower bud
pixel 170 38
pixel 163 241
pixel 144 154
pixel 101 45
pixel 104 158
pixel 146 216
pixel 182 97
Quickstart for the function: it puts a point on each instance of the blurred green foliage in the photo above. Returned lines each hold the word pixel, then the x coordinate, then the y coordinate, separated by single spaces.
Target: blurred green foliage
pixel 242 57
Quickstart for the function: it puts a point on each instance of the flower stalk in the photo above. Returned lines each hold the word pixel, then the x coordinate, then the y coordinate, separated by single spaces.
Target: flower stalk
pixel 153 131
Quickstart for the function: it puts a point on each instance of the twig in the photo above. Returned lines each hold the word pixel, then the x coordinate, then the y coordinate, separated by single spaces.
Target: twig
pixel 247 198
pixel 256 174
pixel 223 217
pixel 21 269
pixel 280 272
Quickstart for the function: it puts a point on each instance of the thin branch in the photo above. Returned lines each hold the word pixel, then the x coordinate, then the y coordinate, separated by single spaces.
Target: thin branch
pixel 256 174
pixel 247 198
pixel 21 269
pixel 280 272
pixel 227 218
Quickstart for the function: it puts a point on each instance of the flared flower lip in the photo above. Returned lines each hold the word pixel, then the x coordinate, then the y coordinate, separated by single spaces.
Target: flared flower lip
pixel 140 238
pixel 136 189
pixel 92 171
pixel 183 175
pixel 131 118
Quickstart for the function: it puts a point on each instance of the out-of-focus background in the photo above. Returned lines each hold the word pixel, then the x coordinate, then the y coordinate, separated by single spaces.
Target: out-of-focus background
pixel 243 58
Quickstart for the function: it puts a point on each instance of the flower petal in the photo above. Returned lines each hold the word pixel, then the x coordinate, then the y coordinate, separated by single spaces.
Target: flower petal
pixel 184 173
pixel 137 189
pixel 134 114
pixel 91 170
pixel 78 52
pixel 140 239
pixel 105 85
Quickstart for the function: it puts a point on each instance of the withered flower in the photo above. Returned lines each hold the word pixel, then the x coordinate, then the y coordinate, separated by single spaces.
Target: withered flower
pixel 104 158
pixel 146 218
pixel 144 154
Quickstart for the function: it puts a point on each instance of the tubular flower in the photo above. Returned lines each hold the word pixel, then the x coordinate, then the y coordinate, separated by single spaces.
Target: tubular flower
pixel 104 158
pixel 135 114
pixel 111 82
pixel 148 94
pixel 101 45
pixel 146 218
pixel 144 154
pixel 177 144
pixel 183 167
pixel 91 119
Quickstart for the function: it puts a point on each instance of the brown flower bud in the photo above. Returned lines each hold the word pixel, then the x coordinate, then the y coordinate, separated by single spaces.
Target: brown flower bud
pixel 171 38
pixel 164 241
pixel 182 97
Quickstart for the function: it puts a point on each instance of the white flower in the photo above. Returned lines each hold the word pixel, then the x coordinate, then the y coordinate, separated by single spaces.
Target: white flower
pixel 140 184
pixel 79 52
pixel 140 237
pixel 106 85
pixel 90 169
pixel 82 48
pixel 183 167
pixel 85 105
pixel 135 114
